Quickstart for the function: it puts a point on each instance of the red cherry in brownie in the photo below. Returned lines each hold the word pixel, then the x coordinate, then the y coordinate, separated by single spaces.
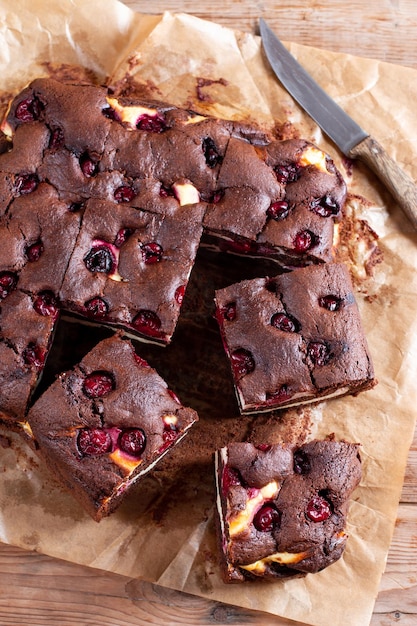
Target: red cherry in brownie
pixel 100 259
pixel 28 110
pixel 147 322
pixel 267 518
pixel 319 352
pixel 318 509
pixel 304 240
pixel 330 302
pixel 179 294
pixel 240 246
pixel 122 236
pixel 173 396
pixel 26 183
pixel 141 362
pixel 301 462
pixel 56 140
pixel 242 362
pixel 94 441
pixel 228 312
pixel 263 447
pixel 89 166
pixel 166 192
pixel 34 355
pixel 211 153
pixel 34 251
pixel 170 433
pixel 46 304
pixel 285 322
pixel 230 478
pixel 96 307
pixel 151 123
pixel 151 252
pixel 8 282
pixel 132 441
pixel 217 196
pixel 288 173
pixel 110 113
pixel 98 384
pixel 325 207
pixel 124 193
pixel 278 210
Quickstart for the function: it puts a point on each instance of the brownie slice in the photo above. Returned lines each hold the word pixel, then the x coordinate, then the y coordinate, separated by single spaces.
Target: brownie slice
pixel 281 509
pixel 27 324
pixel 37 236
pixel 294 339
pixel 280 201
pixel 131 267
pixel 103 425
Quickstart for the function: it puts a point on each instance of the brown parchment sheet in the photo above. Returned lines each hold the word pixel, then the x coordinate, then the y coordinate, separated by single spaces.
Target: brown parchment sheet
pixel 164 531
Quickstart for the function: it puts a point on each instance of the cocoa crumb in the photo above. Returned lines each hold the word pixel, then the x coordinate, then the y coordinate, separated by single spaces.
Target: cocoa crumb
pixel 284 131
pixel 348 165
pixel 66 73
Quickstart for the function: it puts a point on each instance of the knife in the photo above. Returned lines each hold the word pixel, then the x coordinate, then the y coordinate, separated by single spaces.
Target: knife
pixel 349 137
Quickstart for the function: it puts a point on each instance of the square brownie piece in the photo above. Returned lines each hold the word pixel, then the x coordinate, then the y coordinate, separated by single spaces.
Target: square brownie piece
pixel 281 509
pixel 294 339
pixel 103 425
pixel 278 201
pixel 130 268
pixel 27 325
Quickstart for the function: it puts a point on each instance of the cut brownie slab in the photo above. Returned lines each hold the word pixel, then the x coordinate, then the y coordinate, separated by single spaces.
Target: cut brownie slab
pixel 266 198
pixel 295 338
pixel 279 201
pixel 27 324
pixel 106 423
pixel 131 267
pixel 281 509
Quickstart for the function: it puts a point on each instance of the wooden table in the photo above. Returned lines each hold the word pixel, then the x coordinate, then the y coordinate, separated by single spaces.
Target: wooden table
pixel 36 590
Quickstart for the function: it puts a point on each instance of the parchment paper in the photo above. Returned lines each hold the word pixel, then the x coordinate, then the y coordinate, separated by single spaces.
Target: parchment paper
pixel 164 532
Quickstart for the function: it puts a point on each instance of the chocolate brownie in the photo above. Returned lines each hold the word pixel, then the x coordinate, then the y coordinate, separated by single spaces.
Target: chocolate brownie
pixel 37 236
pixel 279 201
pixel 27 324
pixel 294 338
pixel 267 198
pixel 103 425
pixel 281 509
pixel 131 268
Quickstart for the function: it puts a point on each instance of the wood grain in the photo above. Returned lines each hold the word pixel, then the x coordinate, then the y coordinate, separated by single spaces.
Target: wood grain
pixel 36 590
pixel 398 183
pixel 378 29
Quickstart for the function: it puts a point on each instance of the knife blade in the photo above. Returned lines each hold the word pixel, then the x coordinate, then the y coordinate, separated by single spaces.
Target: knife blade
pixel 350 138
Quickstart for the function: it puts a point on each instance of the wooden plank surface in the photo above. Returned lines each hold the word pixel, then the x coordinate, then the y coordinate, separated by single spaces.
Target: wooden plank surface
pixel 36 590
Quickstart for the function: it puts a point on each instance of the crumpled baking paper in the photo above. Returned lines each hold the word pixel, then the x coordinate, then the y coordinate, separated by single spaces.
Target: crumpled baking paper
pixel 164 532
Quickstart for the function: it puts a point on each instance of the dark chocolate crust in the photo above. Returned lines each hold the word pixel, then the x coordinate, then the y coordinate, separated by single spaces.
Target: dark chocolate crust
pixel 139 399
pixel 311 488
pixel 316 352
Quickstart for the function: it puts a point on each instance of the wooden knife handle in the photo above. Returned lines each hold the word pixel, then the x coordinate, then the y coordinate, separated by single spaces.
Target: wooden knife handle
pixel 401 186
